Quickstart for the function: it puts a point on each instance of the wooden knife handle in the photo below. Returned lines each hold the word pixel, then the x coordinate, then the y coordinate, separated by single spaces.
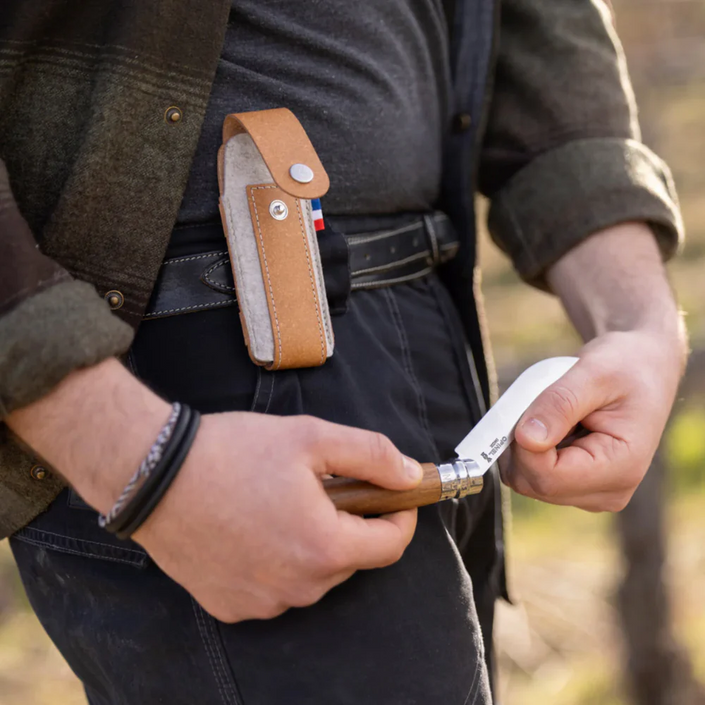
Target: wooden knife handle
pixel 362 498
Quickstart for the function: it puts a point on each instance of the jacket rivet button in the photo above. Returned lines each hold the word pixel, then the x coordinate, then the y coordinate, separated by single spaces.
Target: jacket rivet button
pixel 38 472
pixel 173 115
pixel 115 299
pixel 462 122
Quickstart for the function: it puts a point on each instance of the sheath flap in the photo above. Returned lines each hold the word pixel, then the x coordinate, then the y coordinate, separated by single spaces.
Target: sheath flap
pixel 282 143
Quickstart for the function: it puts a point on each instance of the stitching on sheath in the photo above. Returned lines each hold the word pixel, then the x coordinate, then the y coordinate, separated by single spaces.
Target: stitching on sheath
pixel 266 267
pixel 193 257
pixel 225 687
pixel 313 283
pixel 215 304
pixel 212 269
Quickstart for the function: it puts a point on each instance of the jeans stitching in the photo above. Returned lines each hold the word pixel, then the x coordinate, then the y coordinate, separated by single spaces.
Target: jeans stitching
pixel 271 394
pixel 473 690
pixel 228 678
pixel 255 398
pixel 408 365
pixel 472 396
pixel 226 687
pixel 200 622
pixel 132 362
pixel 64 549
pixel 71 538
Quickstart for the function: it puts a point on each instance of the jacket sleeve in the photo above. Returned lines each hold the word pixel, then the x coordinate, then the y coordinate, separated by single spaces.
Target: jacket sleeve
pixel 562 155
pixel 50 324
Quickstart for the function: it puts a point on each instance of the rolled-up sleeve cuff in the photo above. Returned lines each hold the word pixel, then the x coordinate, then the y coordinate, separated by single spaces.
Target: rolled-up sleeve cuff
pixel 52 333
pixel 568 193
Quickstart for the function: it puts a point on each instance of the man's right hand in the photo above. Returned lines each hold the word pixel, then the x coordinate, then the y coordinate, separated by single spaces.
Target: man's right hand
pixel 247 527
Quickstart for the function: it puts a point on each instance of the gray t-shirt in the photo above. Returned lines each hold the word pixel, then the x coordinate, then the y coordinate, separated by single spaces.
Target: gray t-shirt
pixel 369 80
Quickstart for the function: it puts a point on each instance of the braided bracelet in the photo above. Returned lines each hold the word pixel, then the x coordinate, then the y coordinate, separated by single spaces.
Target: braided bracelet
pixel 154 475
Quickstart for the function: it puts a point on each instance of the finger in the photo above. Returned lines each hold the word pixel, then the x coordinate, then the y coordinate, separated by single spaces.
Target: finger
pixel 363 455
pixel 561 407
pixel 597 463
pixel 376 543
pixel 595 502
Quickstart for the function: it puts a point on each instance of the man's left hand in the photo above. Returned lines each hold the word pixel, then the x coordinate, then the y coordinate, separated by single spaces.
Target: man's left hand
pixel 623 387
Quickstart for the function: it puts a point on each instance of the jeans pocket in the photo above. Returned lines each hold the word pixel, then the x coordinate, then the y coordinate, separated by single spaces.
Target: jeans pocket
pixel 70 526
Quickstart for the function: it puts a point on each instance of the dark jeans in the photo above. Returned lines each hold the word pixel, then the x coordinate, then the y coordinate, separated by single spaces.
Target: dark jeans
pixel 401 635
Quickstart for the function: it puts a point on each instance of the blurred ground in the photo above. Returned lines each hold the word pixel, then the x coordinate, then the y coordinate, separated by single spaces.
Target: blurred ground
pixel 560 643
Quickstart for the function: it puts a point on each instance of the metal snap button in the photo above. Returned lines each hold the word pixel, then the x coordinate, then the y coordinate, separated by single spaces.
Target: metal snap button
pixel 39 472
pixel 173 115
pixel 278 210
pixel 115 299
pixel 301 173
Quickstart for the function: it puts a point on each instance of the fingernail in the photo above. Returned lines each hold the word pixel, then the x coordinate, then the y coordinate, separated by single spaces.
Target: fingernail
pixel 536 430
pixel 413 469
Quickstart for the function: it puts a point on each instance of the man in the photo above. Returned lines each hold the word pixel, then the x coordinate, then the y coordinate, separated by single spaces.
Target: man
pixel 245 585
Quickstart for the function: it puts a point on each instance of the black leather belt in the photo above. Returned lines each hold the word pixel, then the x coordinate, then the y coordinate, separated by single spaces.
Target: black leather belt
pixel 375 259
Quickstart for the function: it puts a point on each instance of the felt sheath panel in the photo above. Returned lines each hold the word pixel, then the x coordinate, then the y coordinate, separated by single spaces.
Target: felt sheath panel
pixel 242 166
pixel 276 262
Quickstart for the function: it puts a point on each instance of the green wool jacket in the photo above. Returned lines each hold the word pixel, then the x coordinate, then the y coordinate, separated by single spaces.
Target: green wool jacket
pixel 92 174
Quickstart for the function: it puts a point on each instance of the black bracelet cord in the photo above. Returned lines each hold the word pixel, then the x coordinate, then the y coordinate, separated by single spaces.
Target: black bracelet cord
pixel 153 489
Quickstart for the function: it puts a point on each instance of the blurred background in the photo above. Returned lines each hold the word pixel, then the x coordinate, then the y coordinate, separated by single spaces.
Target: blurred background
pixel 608 610
pixel 611 609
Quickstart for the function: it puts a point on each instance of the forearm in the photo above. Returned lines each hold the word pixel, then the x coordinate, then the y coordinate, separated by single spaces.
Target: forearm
pixel 615 281
pixel 94 428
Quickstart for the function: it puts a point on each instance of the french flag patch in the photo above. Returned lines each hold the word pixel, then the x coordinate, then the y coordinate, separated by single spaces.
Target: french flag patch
pixel 317 214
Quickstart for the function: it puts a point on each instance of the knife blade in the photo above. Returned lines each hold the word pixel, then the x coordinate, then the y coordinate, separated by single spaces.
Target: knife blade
pixel 494 433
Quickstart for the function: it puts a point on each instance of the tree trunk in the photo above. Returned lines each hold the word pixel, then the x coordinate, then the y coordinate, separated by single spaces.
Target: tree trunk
pixel 657 669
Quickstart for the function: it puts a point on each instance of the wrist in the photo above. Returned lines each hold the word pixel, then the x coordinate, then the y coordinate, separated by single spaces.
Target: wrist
pixel 94 429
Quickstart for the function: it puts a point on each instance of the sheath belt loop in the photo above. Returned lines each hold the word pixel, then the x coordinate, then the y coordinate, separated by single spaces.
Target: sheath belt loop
pixel 269 173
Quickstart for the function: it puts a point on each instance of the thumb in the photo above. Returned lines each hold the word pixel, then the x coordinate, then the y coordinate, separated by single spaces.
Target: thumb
pixel 363 455
pixel 558 409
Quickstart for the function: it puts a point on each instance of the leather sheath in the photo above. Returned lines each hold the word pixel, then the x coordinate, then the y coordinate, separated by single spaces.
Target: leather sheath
pixel 272 240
